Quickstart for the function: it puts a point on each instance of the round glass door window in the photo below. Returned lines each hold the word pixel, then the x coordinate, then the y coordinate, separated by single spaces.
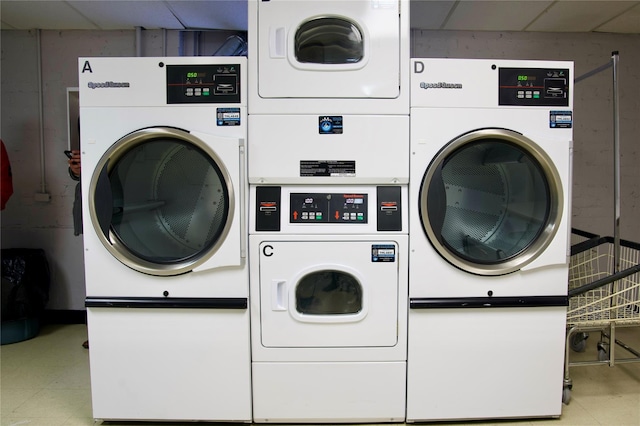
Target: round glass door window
pixel 328 293
pixel 161 201
pixel 329 40
pixel 490 202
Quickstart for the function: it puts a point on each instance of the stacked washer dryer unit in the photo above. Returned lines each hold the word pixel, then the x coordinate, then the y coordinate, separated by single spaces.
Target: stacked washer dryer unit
pixel 164 196
pixel 328 231
pixel 491 150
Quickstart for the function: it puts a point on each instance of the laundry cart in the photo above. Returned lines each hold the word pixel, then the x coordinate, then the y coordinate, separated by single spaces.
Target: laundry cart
pixel 604 295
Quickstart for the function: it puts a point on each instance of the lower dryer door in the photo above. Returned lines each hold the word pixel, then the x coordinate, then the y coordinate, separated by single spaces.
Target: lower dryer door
pixel 329 294
pixel 162 201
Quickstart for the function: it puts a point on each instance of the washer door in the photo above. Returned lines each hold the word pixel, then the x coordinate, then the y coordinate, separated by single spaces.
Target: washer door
pixel 161 201
pixel 328 49
pixel 491 201
pixel 329 294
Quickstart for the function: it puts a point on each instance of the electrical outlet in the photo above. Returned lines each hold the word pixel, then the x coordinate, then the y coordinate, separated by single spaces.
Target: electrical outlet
pixel 42 197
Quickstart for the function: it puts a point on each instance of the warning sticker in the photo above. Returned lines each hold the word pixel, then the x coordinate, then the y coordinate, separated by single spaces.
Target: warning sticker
pixel 560 119
pixel 327 168
pixel 383 253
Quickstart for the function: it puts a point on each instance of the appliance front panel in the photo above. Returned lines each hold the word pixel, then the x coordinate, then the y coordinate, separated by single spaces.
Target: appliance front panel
pixel 432 130
pixel 169 364
pixel 329 392
pixel 105 271
pixel 328 49
pixel 324 209
pixel 499 362
pixel 328 149
pixel 329 293
pixel 159 81
pixel 490 201
pixel 491 83
pixel 163 202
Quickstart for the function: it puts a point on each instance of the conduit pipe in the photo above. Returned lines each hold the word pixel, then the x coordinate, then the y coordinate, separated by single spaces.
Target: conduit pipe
pixel 42 195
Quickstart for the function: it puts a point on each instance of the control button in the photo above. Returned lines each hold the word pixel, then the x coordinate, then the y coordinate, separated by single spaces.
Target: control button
pixel 189 91
pixel 360 216
pixel 205 91
pixel 198 91
pixel 520 94
pixel 345 216
pixel 305 215
pixel 353 216
pixel 318 215
pixel 536 94
pixel 528 95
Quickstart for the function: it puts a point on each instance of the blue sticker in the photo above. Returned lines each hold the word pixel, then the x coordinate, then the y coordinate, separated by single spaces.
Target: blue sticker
pixel 560 119
pixel 228 116
pixel 330 124
pixel 383 253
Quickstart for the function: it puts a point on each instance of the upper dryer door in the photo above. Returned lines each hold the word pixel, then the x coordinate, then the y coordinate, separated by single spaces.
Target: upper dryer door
pixel 491 201
pixel 162 201
pixel 328 49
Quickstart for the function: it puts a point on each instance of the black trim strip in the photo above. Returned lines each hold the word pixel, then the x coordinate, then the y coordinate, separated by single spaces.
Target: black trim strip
pixel 172 303
pixel 488 302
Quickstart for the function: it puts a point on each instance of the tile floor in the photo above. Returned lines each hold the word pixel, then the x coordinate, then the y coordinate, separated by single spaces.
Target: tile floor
pixel 45 382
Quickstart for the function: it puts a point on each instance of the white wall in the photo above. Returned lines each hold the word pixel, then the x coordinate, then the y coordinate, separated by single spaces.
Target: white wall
pixel 27 223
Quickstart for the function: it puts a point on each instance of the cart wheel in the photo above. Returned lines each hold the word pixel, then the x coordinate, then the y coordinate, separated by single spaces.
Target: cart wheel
pixel 578 342
pixel 566 396
pixel 602 353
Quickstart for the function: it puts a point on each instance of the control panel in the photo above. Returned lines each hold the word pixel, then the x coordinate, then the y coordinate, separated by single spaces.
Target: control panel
pixel 382 209
pixel 188 84
pixel 328 208
pixel 534 86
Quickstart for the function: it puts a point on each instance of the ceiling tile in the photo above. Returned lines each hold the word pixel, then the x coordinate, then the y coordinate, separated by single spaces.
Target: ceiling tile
pixel 114 15
pixel 629 22
pixel 217 14
pixel 495 15
pixel 579 16
pixel 429 15
pixel 51 15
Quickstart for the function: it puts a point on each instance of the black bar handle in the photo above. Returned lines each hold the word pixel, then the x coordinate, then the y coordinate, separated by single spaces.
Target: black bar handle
pixel 488 302
pixel 170 303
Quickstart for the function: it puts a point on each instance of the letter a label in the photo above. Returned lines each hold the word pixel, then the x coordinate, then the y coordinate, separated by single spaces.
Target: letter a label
pixel 87 67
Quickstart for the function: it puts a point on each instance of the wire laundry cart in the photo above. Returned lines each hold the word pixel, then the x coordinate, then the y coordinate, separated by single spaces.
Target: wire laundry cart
pixel 604 295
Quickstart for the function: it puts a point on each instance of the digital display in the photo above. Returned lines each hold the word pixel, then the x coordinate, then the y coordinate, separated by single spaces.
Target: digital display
pixel 526 78
pixel 195 74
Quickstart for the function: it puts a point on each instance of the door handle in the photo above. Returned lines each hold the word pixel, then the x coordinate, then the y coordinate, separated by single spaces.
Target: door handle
pixel 276 43
pixel 278 295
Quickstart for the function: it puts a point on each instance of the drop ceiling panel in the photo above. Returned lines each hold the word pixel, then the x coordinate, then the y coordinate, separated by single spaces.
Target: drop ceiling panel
pixel 430 15
pixel 629 22
pixel 114 15
pixel 495 15
pixel 219 14
pixel 578 16
pixel 53 15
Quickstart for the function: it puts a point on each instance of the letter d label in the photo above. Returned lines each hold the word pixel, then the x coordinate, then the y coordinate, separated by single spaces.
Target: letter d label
pixel 418 67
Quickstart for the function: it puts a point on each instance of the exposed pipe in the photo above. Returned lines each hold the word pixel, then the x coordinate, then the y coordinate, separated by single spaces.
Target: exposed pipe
pixel 616 163
pixel 43 183
pixel 164 42
pixel 138 41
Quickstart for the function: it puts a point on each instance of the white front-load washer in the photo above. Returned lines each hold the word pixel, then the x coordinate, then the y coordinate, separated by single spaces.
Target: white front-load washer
pixel 328 268
pixel 490 197
pixel 329 56
pixel 164 195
